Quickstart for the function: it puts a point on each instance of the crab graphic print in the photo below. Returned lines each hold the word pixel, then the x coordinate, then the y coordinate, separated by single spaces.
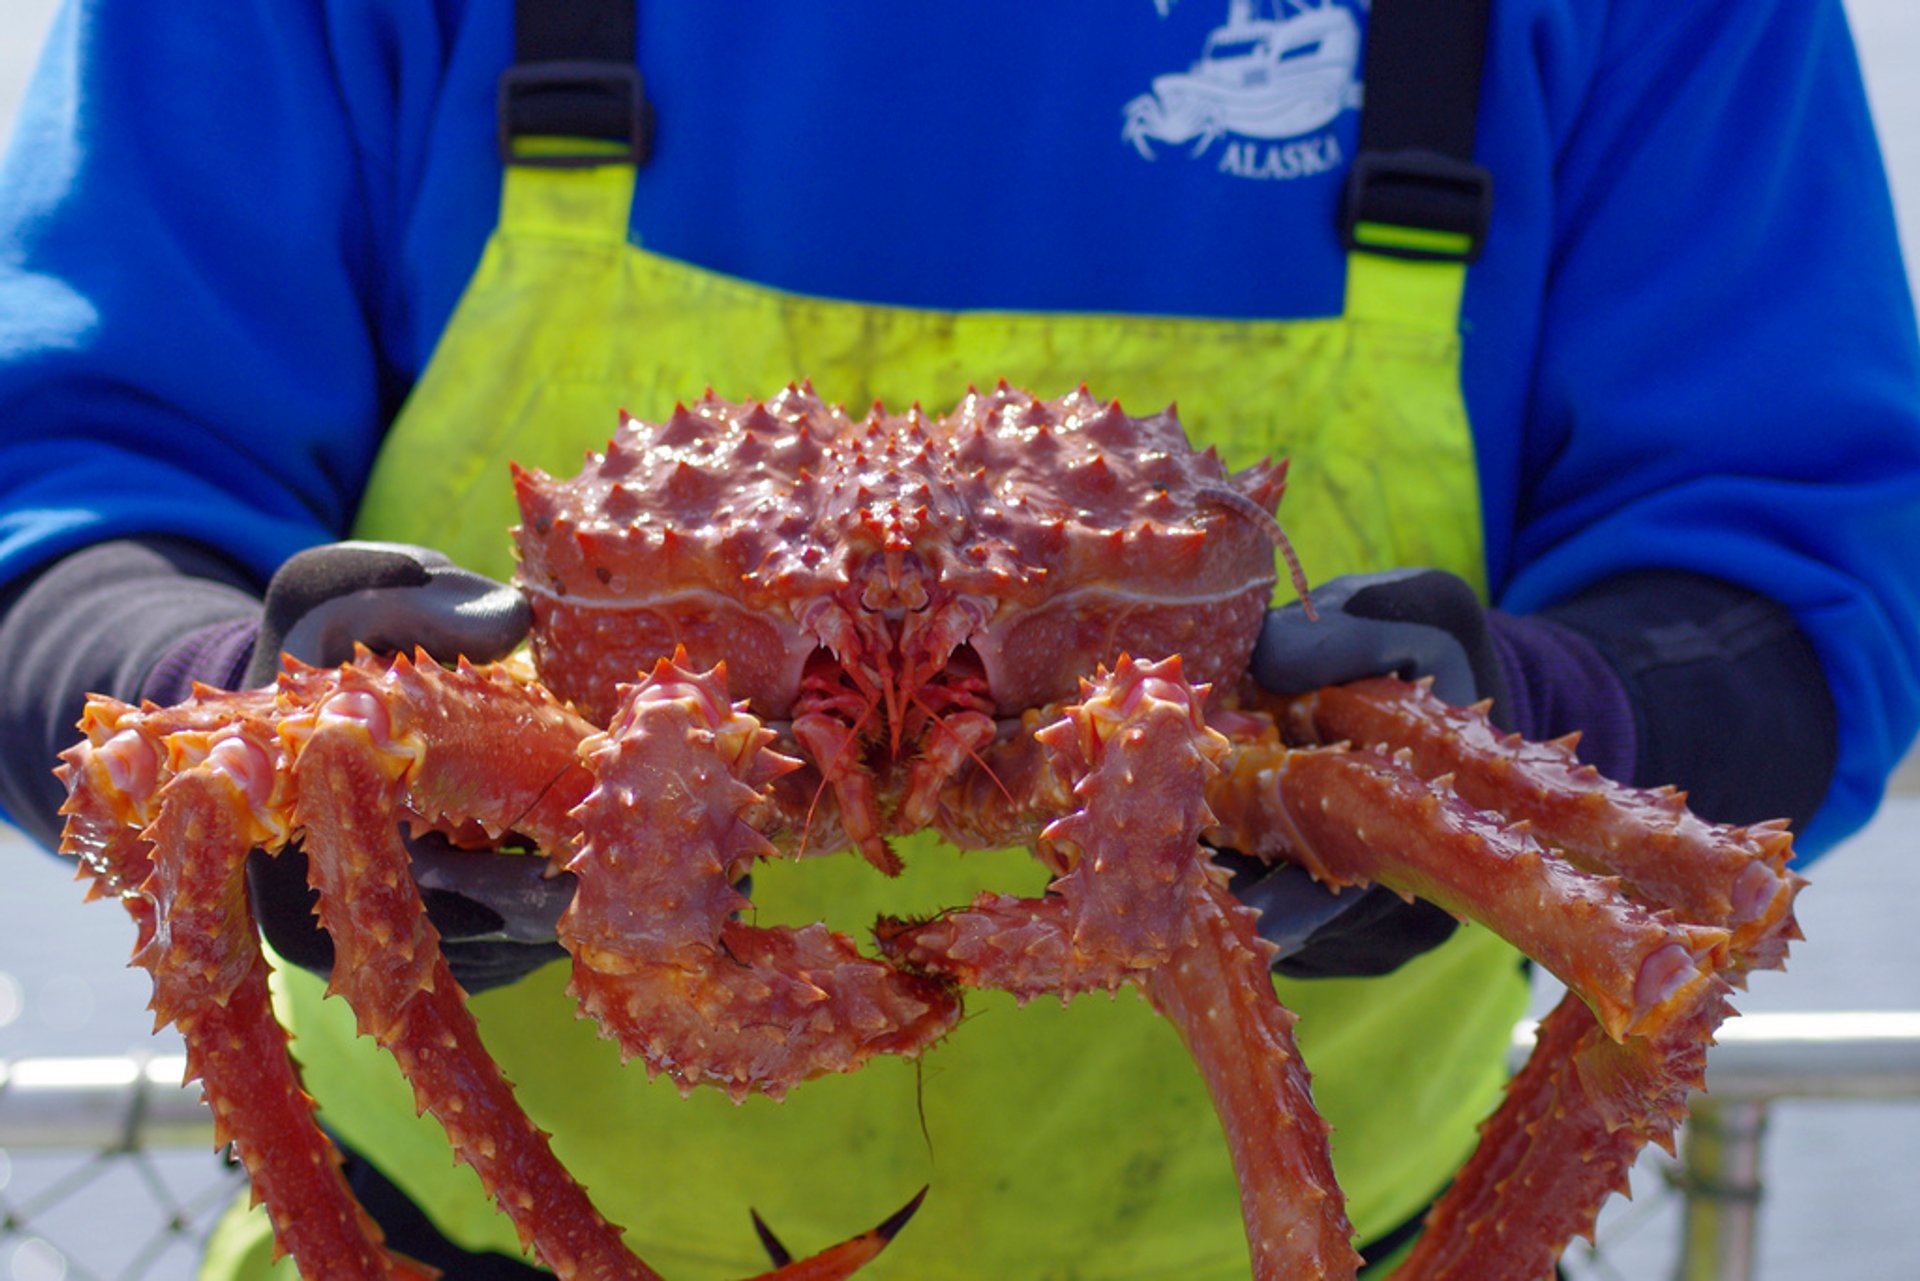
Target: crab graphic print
pixel 1270 81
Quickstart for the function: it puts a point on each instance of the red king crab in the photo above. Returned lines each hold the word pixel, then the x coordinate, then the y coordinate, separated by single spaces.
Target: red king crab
pixel 766 629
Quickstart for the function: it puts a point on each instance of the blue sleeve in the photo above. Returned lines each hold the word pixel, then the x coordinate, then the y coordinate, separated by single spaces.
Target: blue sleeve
pixel 1727 378
pixel 191 282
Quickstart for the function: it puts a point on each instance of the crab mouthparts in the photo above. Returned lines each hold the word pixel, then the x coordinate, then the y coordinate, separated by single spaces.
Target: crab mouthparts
pixel 894 711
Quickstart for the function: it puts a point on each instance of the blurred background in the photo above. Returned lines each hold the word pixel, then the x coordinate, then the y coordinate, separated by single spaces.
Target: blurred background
pixel 1839 1174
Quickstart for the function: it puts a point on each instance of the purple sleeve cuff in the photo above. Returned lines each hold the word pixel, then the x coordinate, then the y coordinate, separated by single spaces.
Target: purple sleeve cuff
pixel 1712 671
pixel 1559 682
pixel 216 655
pixel 126 618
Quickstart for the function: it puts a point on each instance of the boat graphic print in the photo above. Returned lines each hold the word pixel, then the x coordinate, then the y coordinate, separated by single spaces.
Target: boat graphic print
pixel 1269 77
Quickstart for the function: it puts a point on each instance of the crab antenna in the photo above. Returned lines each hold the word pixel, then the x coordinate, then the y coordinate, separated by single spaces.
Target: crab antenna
pixel 1298 575
pixel 1234 500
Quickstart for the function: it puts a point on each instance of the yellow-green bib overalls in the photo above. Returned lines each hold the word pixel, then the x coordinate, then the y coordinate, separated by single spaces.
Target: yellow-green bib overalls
pixel 1058 1142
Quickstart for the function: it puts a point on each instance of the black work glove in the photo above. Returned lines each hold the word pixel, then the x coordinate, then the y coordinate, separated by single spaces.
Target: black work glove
pixel 390 597
pixel 1405 622
pixel 495 912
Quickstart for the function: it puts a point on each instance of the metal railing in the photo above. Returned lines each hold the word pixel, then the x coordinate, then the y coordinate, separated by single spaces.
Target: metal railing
pixel 125 1107
pixel 107 1170
pixel 101 1104
pixel 1761 1058
pixel 1757 1060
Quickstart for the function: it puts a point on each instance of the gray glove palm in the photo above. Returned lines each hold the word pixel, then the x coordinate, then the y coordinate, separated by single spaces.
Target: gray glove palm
pixel 390 597
pixel 1406 622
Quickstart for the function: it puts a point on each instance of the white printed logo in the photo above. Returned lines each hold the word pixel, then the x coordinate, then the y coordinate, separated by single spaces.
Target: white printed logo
pixel 1260 80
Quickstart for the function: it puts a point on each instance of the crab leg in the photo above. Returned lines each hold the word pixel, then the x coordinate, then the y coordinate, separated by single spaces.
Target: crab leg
pixel 1644 978
pixel 1296 1220
pixel 389 967
pixel 1137 901
pixel 1581 1092
pixel 682 774
pixel 1357 816
pixel 415 738
pixel 1714 875
pixel 487 748
pixel 210 804
pixel 1574 1120
pixel 164 807
pixel 1615 1061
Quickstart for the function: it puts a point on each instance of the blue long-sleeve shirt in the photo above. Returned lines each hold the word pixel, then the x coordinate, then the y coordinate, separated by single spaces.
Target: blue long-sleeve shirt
pixel 231 234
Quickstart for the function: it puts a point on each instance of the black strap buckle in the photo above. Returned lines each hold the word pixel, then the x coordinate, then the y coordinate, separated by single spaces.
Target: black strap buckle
pixel 1417 204
pixel 592 100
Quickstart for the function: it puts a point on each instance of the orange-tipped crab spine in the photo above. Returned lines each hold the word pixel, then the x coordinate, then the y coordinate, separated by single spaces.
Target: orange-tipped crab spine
pixel 164 807
pixel 209 975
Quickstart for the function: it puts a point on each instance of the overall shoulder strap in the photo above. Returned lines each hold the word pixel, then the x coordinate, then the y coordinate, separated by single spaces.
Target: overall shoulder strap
pixel 1414 190
pixel 574 77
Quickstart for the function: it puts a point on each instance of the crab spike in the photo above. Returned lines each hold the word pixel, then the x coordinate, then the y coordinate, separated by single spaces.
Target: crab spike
pixel 1264 483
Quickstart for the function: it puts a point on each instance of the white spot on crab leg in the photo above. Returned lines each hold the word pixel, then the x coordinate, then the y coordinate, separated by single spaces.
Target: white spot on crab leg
pixel 1663 973
pixel 247 765
pixel 357 706
pixel 130 761
pixel 1753 892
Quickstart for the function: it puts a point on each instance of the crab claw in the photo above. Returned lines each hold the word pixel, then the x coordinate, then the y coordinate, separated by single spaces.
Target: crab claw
pixel 659 959
pixel 837 1261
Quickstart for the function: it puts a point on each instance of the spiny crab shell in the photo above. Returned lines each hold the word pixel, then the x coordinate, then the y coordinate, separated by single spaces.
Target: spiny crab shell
pixel 763 630
pixel 1047 537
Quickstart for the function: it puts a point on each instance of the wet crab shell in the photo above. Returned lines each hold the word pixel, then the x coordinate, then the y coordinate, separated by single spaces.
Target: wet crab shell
pixel 1062 531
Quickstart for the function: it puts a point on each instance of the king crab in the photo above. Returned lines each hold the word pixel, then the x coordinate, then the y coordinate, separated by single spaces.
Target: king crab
pixel 771 630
